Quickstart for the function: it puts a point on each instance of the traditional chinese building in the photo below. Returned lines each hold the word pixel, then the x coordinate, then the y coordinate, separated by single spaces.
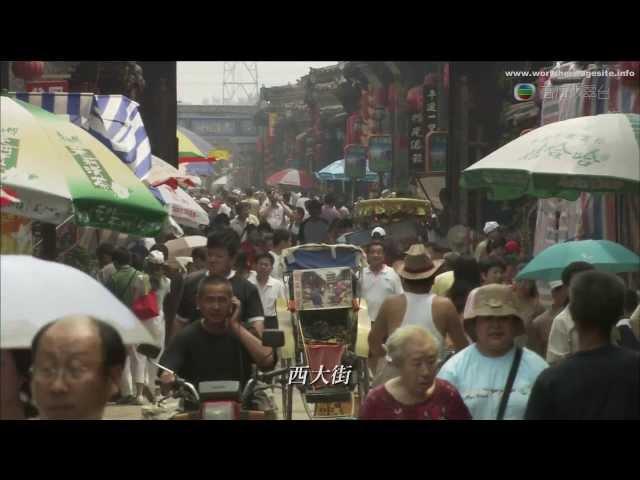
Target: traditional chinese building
pixel 281 119
pixel 327 114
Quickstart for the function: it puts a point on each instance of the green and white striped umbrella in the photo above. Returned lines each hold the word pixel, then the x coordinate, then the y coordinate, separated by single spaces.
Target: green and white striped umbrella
pixel 58 170
pixel 598 153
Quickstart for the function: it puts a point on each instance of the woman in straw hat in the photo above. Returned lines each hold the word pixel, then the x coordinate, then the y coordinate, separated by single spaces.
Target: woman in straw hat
pixel 493 375
pixel 416 306
pixel 415 394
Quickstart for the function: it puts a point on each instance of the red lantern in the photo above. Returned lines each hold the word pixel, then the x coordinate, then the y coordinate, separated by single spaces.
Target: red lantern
pixel 28 70
pixel 415 99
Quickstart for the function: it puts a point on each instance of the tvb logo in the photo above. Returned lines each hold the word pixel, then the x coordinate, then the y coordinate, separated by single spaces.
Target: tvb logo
pixel 524 91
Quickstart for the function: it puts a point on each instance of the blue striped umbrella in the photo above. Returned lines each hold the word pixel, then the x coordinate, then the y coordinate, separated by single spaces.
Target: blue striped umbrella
pixel 335 172
pixel 113 119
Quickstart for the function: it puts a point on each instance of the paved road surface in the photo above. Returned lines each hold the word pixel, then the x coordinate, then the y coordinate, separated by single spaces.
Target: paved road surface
pixel 132 412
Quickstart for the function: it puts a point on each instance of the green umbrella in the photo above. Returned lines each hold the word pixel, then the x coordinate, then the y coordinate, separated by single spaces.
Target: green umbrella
pixel 57 170
pixel 603 254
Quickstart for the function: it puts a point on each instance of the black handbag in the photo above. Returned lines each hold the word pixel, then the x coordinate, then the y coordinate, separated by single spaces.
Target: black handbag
pixel 510 379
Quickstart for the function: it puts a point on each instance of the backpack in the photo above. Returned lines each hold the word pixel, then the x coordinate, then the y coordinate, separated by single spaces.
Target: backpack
pixel 121 295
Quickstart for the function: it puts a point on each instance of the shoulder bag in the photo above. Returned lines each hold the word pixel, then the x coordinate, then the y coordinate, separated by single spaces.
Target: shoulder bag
pixel 510 380
pixel 146 306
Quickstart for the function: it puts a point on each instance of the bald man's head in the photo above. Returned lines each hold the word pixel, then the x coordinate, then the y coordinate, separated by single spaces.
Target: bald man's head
pixel 76 327
pixel 77 366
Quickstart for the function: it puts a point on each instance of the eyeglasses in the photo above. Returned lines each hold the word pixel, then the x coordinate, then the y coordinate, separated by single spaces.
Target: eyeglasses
pixel 72 373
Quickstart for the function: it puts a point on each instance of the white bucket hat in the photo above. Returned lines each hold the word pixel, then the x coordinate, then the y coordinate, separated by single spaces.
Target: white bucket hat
pixel 490 227
pixel 156 258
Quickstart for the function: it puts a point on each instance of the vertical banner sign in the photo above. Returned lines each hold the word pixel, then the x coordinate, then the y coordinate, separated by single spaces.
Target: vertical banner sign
pixel 380 153
pixel 273 119
pixel 430 109
pixel 436 149
pixel 416 147
pixel 355 161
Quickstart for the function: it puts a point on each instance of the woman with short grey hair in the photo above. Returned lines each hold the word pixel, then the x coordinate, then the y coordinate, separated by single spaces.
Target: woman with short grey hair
pixel 416 394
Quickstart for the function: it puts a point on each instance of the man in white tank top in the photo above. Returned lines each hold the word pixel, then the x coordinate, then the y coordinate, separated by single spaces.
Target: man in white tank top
pixel 416 306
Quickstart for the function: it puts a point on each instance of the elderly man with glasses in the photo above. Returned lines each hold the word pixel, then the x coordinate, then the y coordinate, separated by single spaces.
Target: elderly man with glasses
pixel 77 366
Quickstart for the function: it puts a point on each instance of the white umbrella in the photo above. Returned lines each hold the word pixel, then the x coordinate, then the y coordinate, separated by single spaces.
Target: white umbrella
pixel 162 171
pixel 222 180
pixel 35 292
pixel 181 247
pixel 598 153
pixel 182 207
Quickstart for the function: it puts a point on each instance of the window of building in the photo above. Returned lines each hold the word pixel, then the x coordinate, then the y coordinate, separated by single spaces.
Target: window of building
pixel 213 126
pixel 247 128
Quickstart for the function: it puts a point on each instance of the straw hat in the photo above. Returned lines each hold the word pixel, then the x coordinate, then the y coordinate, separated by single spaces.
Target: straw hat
pixel 418 264
pixel 492 301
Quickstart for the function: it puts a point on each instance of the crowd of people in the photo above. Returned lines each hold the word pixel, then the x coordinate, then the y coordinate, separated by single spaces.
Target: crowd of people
pixel 453 334
pixel 463 339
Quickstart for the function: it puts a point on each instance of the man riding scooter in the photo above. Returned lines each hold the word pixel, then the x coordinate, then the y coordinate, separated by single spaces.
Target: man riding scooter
pixel 218 347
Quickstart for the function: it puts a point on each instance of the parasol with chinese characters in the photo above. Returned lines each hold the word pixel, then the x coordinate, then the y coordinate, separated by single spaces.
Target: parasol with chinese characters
pixel 58 170
pixel 598 153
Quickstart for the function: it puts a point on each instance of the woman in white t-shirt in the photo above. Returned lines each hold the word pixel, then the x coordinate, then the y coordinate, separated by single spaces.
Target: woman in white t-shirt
pixel 161 284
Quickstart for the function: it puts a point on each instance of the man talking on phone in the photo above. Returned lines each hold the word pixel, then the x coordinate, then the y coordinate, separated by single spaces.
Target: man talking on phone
pixel 218 346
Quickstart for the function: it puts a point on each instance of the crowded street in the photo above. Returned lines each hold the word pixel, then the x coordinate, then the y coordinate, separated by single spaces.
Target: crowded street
pixel 344 241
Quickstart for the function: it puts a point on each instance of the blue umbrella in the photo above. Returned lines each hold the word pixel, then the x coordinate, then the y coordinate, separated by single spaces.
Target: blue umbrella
pixel 602 254
pixel 335 172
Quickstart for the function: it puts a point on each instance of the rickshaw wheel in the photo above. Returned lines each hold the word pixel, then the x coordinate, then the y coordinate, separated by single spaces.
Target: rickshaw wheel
pixel 287 396
pixel 363 379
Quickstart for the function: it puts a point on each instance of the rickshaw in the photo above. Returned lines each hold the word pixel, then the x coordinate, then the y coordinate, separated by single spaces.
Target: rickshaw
pixel 325 331
pixel 402 218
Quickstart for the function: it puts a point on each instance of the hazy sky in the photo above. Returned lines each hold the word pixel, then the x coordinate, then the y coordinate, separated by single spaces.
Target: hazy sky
pixel 199 80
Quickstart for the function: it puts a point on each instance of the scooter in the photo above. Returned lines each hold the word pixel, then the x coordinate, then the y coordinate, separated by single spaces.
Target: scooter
pixel 222 400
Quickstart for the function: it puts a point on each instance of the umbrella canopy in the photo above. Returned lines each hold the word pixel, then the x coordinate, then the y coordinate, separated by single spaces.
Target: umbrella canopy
pixel 602 254
pixel 291 177
pixel 192 145
pixel 181 247
pixel 596 153
pixel 162 172
pixel 222 180
pixel 60 291
pixel 335 172
pixel 194 153
pixel 8 197
pixel 221 154
pixel 182 207
pixel 58 170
